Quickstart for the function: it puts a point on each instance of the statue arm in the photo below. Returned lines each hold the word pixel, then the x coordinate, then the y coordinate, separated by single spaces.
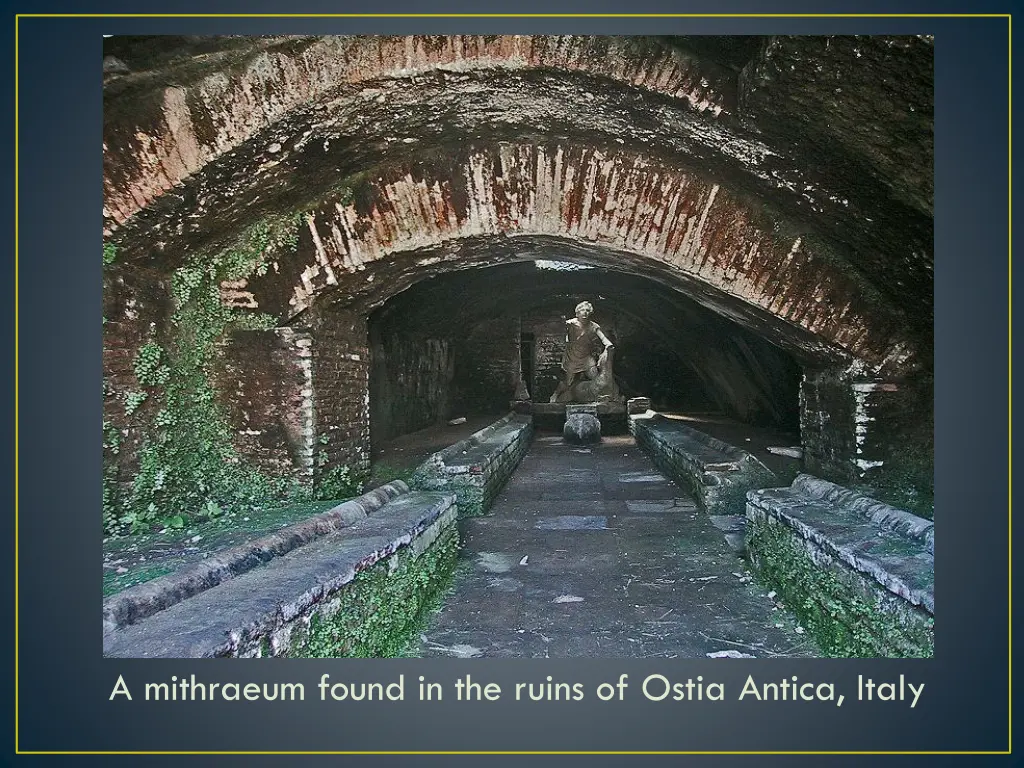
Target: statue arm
pixel 604 339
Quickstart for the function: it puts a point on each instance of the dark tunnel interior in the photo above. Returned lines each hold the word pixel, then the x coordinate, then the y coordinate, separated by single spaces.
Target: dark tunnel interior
pixel 457 344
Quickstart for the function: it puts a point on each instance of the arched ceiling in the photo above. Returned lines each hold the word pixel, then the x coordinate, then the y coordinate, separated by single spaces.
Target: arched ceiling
pixel 449 305
pixel 815 154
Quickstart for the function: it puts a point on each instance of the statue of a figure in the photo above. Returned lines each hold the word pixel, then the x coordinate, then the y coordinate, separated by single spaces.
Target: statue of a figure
pixel 581 336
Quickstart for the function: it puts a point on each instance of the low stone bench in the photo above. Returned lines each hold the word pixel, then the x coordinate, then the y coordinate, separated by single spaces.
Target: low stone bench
pixel 718 474
pixel 356 591
pixel 476 469
pixel 139 602
pixel 858 573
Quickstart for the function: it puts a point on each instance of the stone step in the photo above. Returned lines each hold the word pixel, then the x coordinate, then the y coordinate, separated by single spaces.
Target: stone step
pixel 259 612
pixel 719 474
pixel 475 469
pixel 860 573
pixel 144 600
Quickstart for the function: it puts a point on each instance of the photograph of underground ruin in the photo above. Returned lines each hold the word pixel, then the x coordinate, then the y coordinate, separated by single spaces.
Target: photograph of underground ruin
pixel 518 346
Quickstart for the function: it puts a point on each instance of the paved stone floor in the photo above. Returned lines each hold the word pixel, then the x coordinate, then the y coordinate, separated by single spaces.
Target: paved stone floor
pixel 591 552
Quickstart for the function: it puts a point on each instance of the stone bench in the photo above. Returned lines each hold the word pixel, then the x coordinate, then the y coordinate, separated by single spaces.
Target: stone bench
pixel 858 573
pixel 476 469
pixel 718 474
pixel 355 590
pixel 139 602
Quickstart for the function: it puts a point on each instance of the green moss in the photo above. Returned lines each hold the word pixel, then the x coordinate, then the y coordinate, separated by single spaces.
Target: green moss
pixel 471 498
pixel 382 473
pixel 468 489
pixel 837 614
pixel 335 482
pixel 907 479
pixel 384 607
pixel 146 556
pixel 187 460
pixel 114 582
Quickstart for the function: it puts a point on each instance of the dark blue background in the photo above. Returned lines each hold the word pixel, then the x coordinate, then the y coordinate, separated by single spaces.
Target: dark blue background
pixel 65 683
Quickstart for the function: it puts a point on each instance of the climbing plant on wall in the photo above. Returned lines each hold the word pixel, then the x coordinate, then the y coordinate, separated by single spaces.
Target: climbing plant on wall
pixel 187 459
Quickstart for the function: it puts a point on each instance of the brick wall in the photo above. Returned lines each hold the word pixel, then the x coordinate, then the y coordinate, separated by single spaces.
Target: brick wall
pixel 548 331
pixel 135 307
pixel 410 385
pixel 827 429
pixel 264 383
pixel 871 434
pixel 341 395
pixel 487 365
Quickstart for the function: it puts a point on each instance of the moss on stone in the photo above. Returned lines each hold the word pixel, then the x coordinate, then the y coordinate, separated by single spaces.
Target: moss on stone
pixel 907 479
pixel 382 609
pixel 842 618
pixel 114 582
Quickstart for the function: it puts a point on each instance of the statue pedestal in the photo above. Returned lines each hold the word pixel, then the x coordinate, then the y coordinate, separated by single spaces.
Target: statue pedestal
pixel 581 423
pixel 552 416
pixel 611 408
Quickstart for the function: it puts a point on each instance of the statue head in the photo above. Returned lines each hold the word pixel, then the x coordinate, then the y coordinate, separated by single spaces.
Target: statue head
pixel 584 310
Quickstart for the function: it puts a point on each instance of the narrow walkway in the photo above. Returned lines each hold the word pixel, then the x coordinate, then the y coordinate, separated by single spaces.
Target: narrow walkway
pixel 591 552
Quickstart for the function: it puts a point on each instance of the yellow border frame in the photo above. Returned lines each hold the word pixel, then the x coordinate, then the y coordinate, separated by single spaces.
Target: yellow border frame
pixel 1008 16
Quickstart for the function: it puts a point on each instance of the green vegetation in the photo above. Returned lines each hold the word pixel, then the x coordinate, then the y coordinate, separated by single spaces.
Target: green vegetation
pixel 382 473
pixel 837 615
pixel 907 478
pixel 131 560
pixel 187 463
pixel 384 607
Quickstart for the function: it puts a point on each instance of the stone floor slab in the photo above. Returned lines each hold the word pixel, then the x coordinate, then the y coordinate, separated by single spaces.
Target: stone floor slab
pixel 575 561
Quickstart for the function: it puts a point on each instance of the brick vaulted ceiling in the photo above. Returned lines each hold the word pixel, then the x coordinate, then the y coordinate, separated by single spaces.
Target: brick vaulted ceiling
pixel 785 182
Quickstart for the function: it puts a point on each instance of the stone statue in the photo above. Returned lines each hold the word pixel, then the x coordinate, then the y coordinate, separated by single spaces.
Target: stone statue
pixel 597 383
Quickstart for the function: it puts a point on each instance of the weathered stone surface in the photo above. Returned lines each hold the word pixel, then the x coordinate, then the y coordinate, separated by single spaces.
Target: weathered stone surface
pixel 264 380
pixel 258 612
pixel 636 571
pixel 719 474
pixel 581 424
pixel 638 405
pixel 860 573
pixel 882 515
pixel 475 469
pixel 140 602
